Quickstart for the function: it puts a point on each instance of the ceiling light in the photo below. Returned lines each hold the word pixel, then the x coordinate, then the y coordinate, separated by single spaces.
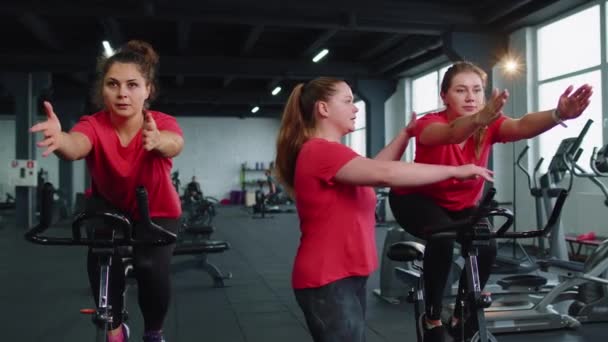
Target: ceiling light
pixel 276 90
pixel 320 55
pixel 255 109
pixel 107 48
pixel 510 66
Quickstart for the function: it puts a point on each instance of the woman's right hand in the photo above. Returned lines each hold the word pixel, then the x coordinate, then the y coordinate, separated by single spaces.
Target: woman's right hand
pixel 493 108
pixel 471 171
pixel 51 129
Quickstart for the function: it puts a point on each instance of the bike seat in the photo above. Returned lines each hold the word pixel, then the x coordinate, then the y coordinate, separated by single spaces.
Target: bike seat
pixel 405 251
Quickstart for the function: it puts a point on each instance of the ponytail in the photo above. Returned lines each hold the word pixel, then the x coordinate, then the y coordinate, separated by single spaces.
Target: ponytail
pixel 293 132
pixel 298 125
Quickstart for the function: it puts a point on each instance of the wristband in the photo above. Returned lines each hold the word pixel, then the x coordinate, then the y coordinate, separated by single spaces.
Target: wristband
pixel 557 119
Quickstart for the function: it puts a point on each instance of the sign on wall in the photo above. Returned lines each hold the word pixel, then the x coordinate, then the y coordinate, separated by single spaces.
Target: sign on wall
pixel 23 173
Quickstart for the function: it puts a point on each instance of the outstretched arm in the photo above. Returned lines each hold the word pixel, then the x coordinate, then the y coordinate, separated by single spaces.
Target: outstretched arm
pixel 68 146
pixel 570 106
pixel 166 143
pixel 394 150
pixel 462 128
pixel 364 171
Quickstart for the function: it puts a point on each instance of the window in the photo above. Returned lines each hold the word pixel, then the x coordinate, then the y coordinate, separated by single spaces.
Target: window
pixel 357 139
pixel 425 96
pixel 425 93
pixel 559 67
pixel 581 52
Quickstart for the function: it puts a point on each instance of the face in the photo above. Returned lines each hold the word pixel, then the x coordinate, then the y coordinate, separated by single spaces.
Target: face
pixel 124 90
pixel 340 108
pixel 465 95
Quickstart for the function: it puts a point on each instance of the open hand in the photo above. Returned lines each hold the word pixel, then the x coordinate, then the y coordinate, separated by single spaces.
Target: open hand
pixel 150 133
pixel 572 105
pixel 51 129
pixel 493 108
pixel 410 129
pixel 471 171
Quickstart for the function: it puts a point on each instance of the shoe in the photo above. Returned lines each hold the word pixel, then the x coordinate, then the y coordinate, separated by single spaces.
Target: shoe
pixel 154 336
pixel 435 334
pixel 470 328
pixel 125 332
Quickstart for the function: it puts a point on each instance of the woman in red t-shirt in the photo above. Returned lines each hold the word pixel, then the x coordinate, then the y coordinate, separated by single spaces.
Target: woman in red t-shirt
pixel 332 186
pixel 127 145
pixel 461 134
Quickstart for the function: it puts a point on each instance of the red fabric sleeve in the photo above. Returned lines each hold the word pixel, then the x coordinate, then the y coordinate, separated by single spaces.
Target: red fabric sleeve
pixel 326 158
pixel 426 120
pixel 86 126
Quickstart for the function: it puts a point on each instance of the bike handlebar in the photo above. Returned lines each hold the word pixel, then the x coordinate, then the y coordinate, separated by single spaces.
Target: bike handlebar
pixel 465 229
pixel 114 220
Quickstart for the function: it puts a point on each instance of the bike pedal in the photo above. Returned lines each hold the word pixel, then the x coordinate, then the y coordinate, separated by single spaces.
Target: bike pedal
pixel 88 311
pixel 485 300
pixel 410 296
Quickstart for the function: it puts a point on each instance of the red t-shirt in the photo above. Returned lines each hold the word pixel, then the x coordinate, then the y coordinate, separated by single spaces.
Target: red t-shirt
pixel 336 220
pixel 116 171
pixel 452 194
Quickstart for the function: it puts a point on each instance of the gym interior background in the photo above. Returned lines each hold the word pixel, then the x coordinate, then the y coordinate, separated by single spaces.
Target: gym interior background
pixel 220 59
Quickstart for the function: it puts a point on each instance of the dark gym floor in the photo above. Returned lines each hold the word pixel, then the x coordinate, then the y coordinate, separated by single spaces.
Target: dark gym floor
pixel 43 288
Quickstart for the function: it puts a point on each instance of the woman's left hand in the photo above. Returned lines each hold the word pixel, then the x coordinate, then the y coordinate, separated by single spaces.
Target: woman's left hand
pixel 411 126
pixel 572 104
pixel 150 134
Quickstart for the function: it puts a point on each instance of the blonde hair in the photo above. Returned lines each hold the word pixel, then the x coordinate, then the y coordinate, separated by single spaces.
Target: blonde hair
pixel 298 125
pixel 446 83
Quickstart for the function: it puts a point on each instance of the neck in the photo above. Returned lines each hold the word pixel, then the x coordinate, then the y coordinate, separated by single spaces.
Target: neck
pixel 327 133
pixel 127 125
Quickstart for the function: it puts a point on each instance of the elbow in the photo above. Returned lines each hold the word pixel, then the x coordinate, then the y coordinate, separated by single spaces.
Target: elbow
pixel 384 176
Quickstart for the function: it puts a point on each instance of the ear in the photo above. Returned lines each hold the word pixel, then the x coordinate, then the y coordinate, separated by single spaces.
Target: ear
pixel 443 98
pixel 148 90
pixel 322 108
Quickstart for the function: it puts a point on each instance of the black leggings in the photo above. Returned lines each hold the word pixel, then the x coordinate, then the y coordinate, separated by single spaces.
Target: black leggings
pixel 414 212
pixel 151 268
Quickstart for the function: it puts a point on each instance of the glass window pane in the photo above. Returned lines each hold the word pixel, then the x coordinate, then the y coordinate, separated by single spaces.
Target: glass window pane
pixel 548 95
pixel 357 142
pixel 425 93
pixel 361 115
pixel 581 31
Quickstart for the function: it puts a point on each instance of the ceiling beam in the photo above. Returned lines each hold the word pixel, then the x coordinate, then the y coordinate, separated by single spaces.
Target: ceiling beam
pixel 431 58
pixel 380 47
pixel 252 38
pixel 41 30
pixel 112 32
pixel 219 96
pixel 404 53
pixel 319 42
pixel 495 11
pixel 196 110
pixel 183 37
pixel 227 80
pixel 196 66
pixel 414 17
pixel 533 13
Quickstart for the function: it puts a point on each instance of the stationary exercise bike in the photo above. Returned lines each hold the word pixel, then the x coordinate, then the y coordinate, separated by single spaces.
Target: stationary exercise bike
pixel 116 242
pixel 470 233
